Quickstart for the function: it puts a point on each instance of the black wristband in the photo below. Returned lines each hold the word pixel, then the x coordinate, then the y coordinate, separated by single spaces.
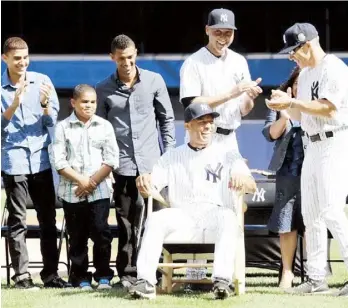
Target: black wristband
pixel 44 105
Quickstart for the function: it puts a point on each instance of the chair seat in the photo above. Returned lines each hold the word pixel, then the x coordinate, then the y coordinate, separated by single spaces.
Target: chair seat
pixel 33 231
pixel 257 230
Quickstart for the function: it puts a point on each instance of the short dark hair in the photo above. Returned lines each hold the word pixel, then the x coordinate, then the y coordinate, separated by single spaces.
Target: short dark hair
pixel 122 42
pixel 13 43
pixel 291 80
pixel 81 88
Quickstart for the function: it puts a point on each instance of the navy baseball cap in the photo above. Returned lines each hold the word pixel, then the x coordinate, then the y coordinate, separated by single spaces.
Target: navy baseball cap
pixel 221 18
pixel 297 35
pixel 197 110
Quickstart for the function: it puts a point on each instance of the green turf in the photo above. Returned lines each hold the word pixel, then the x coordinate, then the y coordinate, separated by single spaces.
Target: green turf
pixel 262 292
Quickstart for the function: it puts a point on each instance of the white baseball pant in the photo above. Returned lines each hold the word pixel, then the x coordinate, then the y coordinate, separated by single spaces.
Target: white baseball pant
pixel 324 190
pixel 212 218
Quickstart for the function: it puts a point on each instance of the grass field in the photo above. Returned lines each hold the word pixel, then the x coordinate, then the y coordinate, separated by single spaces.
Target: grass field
pixel 261 292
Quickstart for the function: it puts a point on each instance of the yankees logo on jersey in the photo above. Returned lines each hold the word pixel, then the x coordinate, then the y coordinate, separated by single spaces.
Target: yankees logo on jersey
pixel 214 174
pixel 195 177
pixel 314 90
pixel 326 81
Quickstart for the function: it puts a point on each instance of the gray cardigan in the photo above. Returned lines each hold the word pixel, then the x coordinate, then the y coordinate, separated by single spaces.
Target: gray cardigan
pixel 281 144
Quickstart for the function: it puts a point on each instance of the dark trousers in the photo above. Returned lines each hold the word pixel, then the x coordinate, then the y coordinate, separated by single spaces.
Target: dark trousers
pixel 128 203
pixel 40 188
pixel 86 220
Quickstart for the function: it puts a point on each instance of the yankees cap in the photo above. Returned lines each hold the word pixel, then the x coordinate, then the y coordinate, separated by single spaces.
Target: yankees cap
pixel 297 35
pixel 221 18
pixel 197 110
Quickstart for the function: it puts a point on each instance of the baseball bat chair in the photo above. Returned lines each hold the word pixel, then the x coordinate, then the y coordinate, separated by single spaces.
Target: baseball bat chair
pixel 180 246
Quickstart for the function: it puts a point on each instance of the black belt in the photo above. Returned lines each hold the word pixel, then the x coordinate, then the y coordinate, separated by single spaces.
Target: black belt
pixel 315 138
pixel 224 131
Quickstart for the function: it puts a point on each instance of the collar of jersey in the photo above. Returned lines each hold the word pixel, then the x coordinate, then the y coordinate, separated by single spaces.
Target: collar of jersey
pixel 195 149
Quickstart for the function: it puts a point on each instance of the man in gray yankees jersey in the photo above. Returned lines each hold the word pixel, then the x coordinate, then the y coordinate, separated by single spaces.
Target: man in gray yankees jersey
pixel 220 77
pixel 322 102
pixel 198 176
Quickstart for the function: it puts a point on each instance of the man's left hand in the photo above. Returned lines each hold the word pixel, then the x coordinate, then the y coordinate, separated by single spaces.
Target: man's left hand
pixel 280 100
pixel 45 91
pixel 242 182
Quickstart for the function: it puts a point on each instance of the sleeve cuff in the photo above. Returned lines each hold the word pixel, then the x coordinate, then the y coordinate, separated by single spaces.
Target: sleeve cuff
pixel 61 165
pixel 114 165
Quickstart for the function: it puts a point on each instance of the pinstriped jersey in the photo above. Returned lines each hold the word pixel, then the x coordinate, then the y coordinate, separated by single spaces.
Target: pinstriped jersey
pixel 204 74
pixel 328 80
pixel 198 177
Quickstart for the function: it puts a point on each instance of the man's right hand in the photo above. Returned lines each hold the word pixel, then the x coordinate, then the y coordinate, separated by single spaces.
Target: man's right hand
pixel 85 186
pixel 19 94
pixel 246 86
pixel 144 184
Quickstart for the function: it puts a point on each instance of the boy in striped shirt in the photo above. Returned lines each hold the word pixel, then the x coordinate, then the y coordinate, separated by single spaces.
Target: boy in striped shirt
pixel 84 153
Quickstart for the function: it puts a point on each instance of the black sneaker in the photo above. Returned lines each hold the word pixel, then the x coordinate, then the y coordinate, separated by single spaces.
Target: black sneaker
pixel 142 289
pixel 344 290
pixel 310 287
pixel 221 289
pixel 57 283
pixel 26 284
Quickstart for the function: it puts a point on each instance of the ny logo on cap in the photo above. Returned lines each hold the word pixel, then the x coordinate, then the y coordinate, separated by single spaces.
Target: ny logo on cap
pixel 301 37
pixel 284 39
pixel 223 18
pixel 204 107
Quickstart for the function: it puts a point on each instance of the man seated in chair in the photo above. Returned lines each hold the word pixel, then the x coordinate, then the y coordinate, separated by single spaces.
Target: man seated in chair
pixel 202 179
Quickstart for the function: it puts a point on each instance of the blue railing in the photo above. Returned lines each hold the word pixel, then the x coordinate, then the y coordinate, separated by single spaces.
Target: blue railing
pixel 68 71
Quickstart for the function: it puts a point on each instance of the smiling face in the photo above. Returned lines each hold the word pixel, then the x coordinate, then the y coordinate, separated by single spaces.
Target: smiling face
pixel 302 55
pixel 219 39
pixel 17 61
pixel 125 60
pixel 200 130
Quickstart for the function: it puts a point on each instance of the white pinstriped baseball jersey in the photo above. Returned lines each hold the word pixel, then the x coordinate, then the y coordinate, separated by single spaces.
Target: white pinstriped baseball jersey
pixel 204 74
pixel 327 80
pixel 197 177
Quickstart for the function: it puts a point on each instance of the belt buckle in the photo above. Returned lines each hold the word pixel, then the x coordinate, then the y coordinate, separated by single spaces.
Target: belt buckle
pixel 322 136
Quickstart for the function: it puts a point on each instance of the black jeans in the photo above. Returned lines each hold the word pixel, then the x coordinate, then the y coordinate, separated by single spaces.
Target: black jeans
pixel 40 188
pixel 86 220
pixel 128 203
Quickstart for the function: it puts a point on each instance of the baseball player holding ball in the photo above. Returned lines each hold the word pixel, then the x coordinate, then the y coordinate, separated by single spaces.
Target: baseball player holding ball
pixel 322 103
pixel 217 76
pixel 220 77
